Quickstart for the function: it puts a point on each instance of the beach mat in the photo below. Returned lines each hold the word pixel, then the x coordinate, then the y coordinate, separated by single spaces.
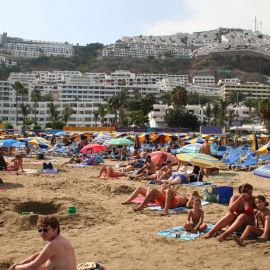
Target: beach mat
pixel 140 200
pixel 174 210
pixel 198 184
pixel 180 233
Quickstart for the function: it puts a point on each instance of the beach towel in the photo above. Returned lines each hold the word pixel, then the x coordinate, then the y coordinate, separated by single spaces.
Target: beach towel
pixel 174 210
pixel 50 171
pixel 139 200
pixel 1 190
pixel 198 184
pixel 181 233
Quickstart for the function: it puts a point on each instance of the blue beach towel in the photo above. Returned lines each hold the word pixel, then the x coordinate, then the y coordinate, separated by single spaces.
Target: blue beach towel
pixel 180 233
pixel 198 184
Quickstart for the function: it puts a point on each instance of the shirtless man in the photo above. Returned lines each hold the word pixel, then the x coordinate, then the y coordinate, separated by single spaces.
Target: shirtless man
pixel 206 149
pixel 58 254
pixel 147 170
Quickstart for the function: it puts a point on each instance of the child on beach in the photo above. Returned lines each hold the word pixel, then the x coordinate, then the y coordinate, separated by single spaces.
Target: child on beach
pixel 195 218
pixel 262 227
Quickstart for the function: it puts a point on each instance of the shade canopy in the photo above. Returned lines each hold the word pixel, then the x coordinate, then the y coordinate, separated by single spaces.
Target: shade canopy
pixel 121 141
pixel 93 147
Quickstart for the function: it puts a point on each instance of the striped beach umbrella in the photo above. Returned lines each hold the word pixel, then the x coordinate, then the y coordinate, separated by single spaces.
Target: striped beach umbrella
pixel 263 150
pixel 202 160
pixel 263 171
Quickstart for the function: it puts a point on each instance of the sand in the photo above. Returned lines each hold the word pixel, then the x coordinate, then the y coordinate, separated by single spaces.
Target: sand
pixel 105 231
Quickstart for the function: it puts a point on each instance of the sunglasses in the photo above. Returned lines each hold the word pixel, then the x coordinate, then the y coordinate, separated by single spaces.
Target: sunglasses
pixel 43 230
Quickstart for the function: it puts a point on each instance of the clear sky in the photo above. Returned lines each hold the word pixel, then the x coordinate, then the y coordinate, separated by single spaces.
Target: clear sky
pixel 105 21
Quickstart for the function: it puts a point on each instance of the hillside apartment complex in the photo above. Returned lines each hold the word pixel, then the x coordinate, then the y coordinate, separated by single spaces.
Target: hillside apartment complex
pixel 86 92
pixel 187 46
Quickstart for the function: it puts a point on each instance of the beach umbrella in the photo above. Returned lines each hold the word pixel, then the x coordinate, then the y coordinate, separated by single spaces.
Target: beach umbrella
pixel 190 148
pixel 37 142
pixel 196 140
pixel 158 157
pixel 254 145
pixel 93 147
pixel 263 171
pixel 202 160
pixel 62 133
pixel 121 141
pixel 8 143
pixel 263 150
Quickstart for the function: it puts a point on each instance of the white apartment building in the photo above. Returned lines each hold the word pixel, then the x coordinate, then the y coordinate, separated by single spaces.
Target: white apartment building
pixel 203 80
pixel 249 90
pixel 157 116
pixel 198 111
pixel 210 91
pixel 228 81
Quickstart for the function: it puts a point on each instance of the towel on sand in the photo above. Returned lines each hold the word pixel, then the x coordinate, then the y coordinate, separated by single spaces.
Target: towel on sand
pixel 181 233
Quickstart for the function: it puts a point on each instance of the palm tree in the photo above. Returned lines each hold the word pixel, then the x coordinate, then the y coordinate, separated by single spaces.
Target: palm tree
pixel 102 112
pixel 264 110
pixel 179 96
pixel 17 86
pixel 208 113
pixel 25 110
pixel 68 111
pixel 123 97
pixel 36 97
pixel 96 114
pixel 223 110
pixel 113 105
pixel 54 114
pixel 216 111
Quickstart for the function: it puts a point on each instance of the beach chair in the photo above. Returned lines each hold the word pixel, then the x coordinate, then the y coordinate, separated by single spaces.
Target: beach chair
pixel 264 159
pixel 232 158
pixel 251 161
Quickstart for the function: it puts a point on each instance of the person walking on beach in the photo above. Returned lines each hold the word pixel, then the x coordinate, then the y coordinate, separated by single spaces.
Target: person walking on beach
pixel 58 254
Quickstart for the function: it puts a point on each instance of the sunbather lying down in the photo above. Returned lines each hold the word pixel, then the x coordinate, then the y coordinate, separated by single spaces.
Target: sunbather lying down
pixel 166 198
pixel 107 172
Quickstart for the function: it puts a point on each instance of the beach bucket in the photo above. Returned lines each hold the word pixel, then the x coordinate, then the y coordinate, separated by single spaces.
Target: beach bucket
pixel 224 194
pixel 72 210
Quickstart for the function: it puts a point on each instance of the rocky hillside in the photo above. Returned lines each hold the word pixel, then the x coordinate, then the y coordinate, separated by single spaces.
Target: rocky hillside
pixel 246 65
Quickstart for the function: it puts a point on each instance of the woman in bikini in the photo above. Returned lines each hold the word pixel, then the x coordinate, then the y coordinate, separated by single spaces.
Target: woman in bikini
pixel 16 164
pixel 240 213
pixel 166 198
pixel 108 172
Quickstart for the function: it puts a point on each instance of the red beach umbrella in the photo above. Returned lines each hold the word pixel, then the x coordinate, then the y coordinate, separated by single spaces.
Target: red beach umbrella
pixel 94 148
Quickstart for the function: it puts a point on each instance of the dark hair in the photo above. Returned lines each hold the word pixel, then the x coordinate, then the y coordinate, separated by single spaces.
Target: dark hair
pixel 49 220
pixel 244 188
pixel 197 200
pixel 262 198
pixel 168 162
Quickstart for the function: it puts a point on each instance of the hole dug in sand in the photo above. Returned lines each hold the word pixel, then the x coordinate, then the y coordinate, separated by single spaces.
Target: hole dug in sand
pixel 42 208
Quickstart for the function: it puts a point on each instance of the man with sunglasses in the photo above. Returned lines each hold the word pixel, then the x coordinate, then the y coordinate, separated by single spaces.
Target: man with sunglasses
pixel 58 254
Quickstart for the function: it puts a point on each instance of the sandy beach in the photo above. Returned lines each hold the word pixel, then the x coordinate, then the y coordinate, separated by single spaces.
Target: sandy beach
pixel 105 231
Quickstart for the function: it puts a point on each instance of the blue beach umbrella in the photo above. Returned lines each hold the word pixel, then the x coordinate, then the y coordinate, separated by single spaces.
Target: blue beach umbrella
pixel 8 143
pixel 190 148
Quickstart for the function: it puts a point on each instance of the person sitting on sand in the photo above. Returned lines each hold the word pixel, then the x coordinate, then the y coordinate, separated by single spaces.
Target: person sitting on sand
pixel 16 164
pixel 165 172
pixel 57 254
pixel 240 213
pixel 3 164
pixel 262 227
pixel 149 169
pixel 195 218
pixel 166 198
pixel 107 172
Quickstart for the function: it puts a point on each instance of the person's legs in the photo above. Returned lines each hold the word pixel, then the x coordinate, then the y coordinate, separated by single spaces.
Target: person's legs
pixel 188 226
pixel 249 229
pixel 103 170
pixel 203 227
pixel 112 173
pixel 136 192
pixel 153 194
pixel 169 198
pixel 266 231
pixel 237 224
pixel 50 166
pixel 45 166
pixel 228 219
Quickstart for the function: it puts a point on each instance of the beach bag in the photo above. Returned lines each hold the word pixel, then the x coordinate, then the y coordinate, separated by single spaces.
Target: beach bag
pixel 224 194
pixel 90 266
pixel 210 194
